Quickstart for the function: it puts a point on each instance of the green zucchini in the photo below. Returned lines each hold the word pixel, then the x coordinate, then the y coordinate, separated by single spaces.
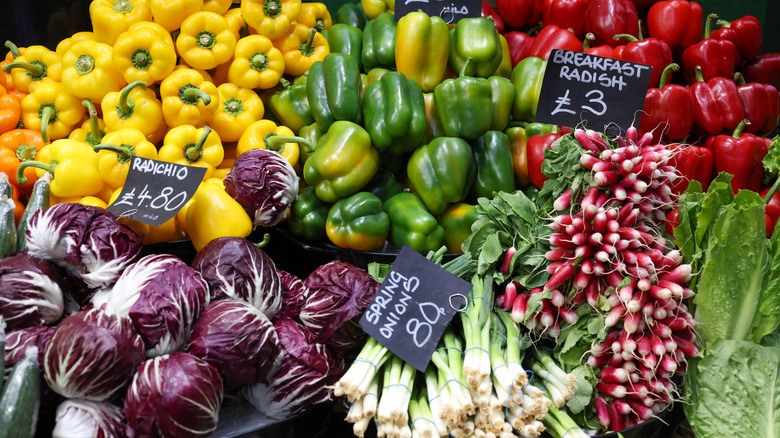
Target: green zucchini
pixel 5 186
pixel 7 227
pixel 39 200
pixel 2 353
pixel 21 398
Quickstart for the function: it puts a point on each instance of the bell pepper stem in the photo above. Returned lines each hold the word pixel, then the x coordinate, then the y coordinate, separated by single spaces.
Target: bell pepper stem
pixel 666 73
pixel 739 78
pixel 124 152
pixel 13 49
pixel 25 152
pixel 264 242
pixel 192 94
pixel 22 180
pixel 46 115
pixel 708 25
pixel 276 143
pixel 465 66
pixel 723 23
pixel 35 69
pixel 94 124
pixel 589 38
pixel 319 25
pixel 738 130
pixel 125 106
pixel 639 32
pixel 699 74
pixel 625 36
pixel 193 152
pixel 307 48
pixel 772 191
pixel 285 83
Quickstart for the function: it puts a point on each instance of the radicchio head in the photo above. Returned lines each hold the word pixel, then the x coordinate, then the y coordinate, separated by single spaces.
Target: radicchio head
pixel 17 341
pixel 30 292
pixel 84 418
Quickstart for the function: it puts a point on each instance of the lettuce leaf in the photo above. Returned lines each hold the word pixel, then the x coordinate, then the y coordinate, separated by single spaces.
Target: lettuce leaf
pixel 739 392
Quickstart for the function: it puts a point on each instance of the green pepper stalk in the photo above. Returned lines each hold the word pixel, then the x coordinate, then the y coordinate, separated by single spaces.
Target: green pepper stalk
pixel 95 134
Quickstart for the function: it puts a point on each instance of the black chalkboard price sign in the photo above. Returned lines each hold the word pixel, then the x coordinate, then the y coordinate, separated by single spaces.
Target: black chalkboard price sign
pixel 451 11
pixel 155 191
pixel 604 94
pixel 412 307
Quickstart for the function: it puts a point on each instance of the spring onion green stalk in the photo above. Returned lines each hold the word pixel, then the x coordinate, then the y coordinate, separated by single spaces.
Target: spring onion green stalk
pixel 421 417
pixel 476 330
pixel 435 400
pixel 355 382
pixel 455 396
pixel 560 424
pixel 560 385
pixel 397 391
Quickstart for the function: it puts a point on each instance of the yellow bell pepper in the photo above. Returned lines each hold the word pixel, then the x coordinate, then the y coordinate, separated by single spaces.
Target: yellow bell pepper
pixel 301 47
pixel 375 7
pixel 224 168
pixel 257 63
pixel 117 150
pixel 73 165
pixel 213 213
pixel 265 134
pixel 171 13
pixel 205 40
pixel 239 108
pixel 218 6
pixel 182 65
pixel 143 55
pixel 505 68
pixel 164 34
pixel 35 64
pixel 188 99
pixel 112 17
pixel 88 70
pixel 50 109
pixel 92 201
pixel 422 49
pixel 65 44
pixel 270 18
pixel 236 23
pixel 92 130
pixel 315 15
pixel 191 146
pixel 135 107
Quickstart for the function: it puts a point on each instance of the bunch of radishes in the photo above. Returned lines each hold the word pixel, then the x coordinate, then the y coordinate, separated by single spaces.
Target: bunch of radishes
pixel 606 254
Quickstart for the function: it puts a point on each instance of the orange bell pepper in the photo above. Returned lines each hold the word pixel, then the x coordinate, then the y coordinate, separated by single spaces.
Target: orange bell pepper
pixel 10 111
pixel 17 146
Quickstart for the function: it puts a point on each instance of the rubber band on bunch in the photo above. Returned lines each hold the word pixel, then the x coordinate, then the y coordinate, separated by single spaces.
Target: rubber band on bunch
pixel 450 348
pixel 454 380
pixel 512 388
pixel 397 384
pixel 360 359
pixel 567 430
pixel 424 419
pixel 476 348
pixel 482 297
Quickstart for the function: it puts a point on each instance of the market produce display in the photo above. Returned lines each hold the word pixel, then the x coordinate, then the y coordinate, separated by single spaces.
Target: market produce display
pixel 607 286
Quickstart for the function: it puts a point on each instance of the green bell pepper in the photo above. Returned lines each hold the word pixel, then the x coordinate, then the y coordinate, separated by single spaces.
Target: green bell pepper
pixel 308 215
pixel 463 107
pixel 384 185
pixel 290 105
pixel 358 222
pixel 351 14
pixel 503 96
pixel 475 47
pixel 494 165
pixel 343 162
pixel 411 224
pixel 505 68
pixel 343 38
pixel 441 172
pixel 527 77
pixel 394 113
pixel 379 42
pixel 312 133
pixel 334 90
pixel 457 221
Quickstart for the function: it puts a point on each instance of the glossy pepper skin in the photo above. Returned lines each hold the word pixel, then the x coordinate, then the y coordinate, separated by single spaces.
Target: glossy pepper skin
pixel 343 162
pixel 760 105
pixel 374 8
pixel 110 18
pixel 519 44
pixel 503 96
pixel 135 106
pixel 239 108
pixel 191 146
pixel 475 48
pixel 694 163
pixel 607 18
pixel 411 224
pixel 73 165
pixel 270 18
pixel 213 213
pixel 308 216
pixel 740 155
pixel 379 42
pixel 187 98
pixel 34 65
pixel 301 47
pixel 649 51
pixel 457 221
pixel 358 222
pixel 489 12
pixel 88 70
pixel 333 90
pixel 520 13
pixel 441 172
pixel 116 151
pixel 51 110
pixel 518 143
pixel 464 107
pixel 527 77
pixel 717 107
pixel 678 22
pixel 745 33
pixel 17 146
pixel 668 110
pixel 765 69
pixel 205 40
pixel 256 63
pixel 394 113
pixel 384 185
pixel 553 37
pixel 716 58
pixel 535 155
pixel 566 14
pixel 343 38
pixel 142 54
pixel 493 158
pixel 10 112
pixel 315 15
pixel 265 134
pixel 422 49
pixel 291 105
pixel 170 14
pixel 772 210
pixel 351 14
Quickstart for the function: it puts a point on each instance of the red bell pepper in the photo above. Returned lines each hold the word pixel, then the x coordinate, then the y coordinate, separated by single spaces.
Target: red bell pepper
pixel 745 33
pixel 607 18
pixel 535 156
pixel 668 110
pixel 740 154
pixel 649 51
pixel 519 45
pixel 693 163
pixel 553 37
pixel 672 221
pixel 566 14
pixel 602 50
pixel 765 69
pixel 760 104
pixel 716 57
pixel 716 106
pixel 678 22
pixel 772 209
pixel 489 12
pixel 520 13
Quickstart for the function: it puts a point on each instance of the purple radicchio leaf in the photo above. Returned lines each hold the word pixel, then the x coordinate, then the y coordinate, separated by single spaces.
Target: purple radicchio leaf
pixel 89 242
pixel 17 341
pixel 264 183
pixel 293 292
pixel 237 339
pixel 85 418
pixel 235 267
pixel 30 293
pixel 303 377
pixel 92 355
pixel 173 395
pixel 162 296
pixel 336 293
